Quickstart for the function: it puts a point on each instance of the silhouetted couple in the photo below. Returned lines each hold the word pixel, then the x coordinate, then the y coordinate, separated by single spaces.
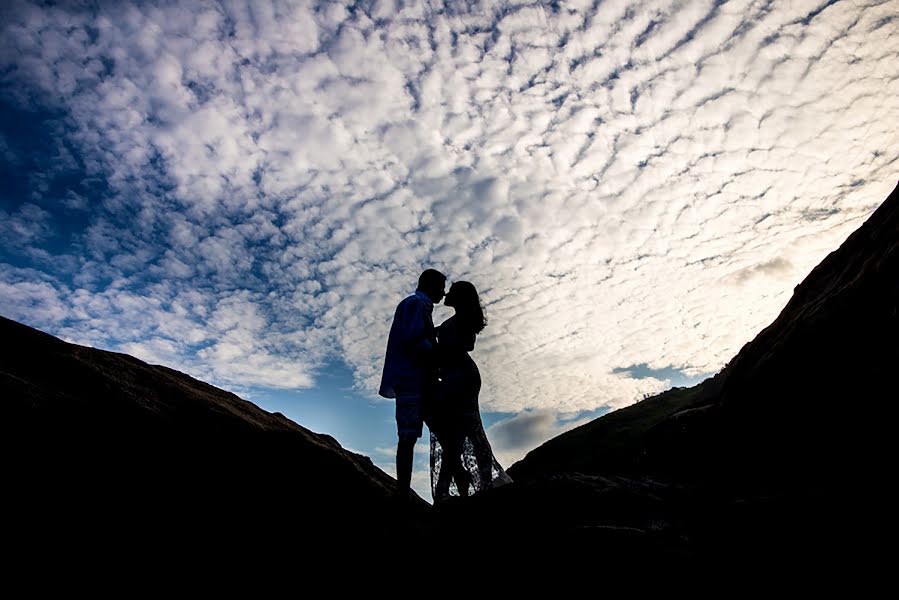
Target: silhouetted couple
pixel 430 373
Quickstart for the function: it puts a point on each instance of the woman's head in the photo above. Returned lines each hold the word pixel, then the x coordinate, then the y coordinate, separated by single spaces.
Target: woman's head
pixel 464 298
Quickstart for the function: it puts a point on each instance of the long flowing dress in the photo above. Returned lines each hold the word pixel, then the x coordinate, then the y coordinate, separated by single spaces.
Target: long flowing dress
pixel 455 422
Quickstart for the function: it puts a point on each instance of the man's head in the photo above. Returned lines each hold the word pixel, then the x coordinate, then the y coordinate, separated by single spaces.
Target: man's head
pixel 432 283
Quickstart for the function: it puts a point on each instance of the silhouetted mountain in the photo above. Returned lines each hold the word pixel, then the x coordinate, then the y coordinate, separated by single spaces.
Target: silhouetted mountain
pixel 783 455
pixel 103 442
pixel 805 399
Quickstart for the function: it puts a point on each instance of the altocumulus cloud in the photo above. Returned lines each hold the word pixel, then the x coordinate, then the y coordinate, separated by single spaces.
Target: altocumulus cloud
pixel 244 190
pixel 513 437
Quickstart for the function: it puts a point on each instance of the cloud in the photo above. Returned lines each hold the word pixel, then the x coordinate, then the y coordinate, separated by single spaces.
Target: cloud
pixel 514 437
pixel 635 183
pixel 772 268
pixel 28 225
pixel 29 296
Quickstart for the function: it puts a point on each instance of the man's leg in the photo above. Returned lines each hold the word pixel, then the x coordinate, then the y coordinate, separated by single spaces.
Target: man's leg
pixel 405 450
pixel 409 429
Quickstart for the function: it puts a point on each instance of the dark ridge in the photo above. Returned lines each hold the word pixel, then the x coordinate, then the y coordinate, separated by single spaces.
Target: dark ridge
pixel 781 457
pixel 103 443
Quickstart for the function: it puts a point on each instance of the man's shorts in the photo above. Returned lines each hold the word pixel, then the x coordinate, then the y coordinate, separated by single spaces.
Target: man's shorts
pixel 408 415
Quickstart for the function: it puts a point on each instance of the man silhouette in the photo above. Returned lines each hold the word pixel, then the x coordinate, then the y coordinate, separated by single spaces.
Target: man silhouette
pixel 410 369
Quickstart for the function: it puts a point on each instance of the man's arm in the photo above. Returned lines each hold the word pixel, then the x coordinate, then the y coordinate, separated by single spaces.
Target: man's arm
pixel 416 328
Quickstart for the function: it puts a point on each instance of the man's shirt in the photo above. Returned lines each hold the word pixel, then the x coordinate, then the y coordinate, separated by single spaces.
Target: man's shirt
pixel 410 347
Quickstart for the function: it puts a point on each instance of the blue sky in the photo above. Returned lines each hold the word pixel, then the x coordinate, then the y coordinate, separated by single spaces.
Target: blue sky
pixel 245 190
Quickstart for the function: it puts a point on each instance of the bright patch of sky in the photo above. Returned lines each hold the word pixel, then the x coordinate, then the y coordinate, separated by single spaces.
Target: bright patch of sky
pixel 245 190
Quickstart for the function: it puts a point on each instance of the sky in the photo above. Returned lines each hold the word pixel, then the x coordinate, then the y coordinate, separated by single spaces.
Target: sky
pixel 244 191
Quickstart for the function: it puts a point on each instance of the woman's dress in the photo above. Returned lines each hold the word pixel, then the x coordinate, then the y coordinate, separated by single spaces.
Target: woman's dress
pixel 455 422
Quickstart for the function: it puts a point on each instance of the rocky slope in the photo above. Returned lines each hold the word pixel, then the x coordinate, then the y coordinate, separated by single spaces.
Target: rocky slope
pixel 783 456
pixel 102 441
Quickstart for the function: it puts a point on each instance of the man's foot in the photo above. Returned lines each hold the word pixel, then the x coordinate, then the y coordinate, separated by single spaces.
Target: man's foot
pixel 401 500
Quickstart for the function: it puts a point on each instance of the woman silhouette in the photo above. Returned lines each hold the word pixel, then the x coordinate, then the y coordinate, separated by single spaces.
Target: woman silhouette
pixel 460 452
